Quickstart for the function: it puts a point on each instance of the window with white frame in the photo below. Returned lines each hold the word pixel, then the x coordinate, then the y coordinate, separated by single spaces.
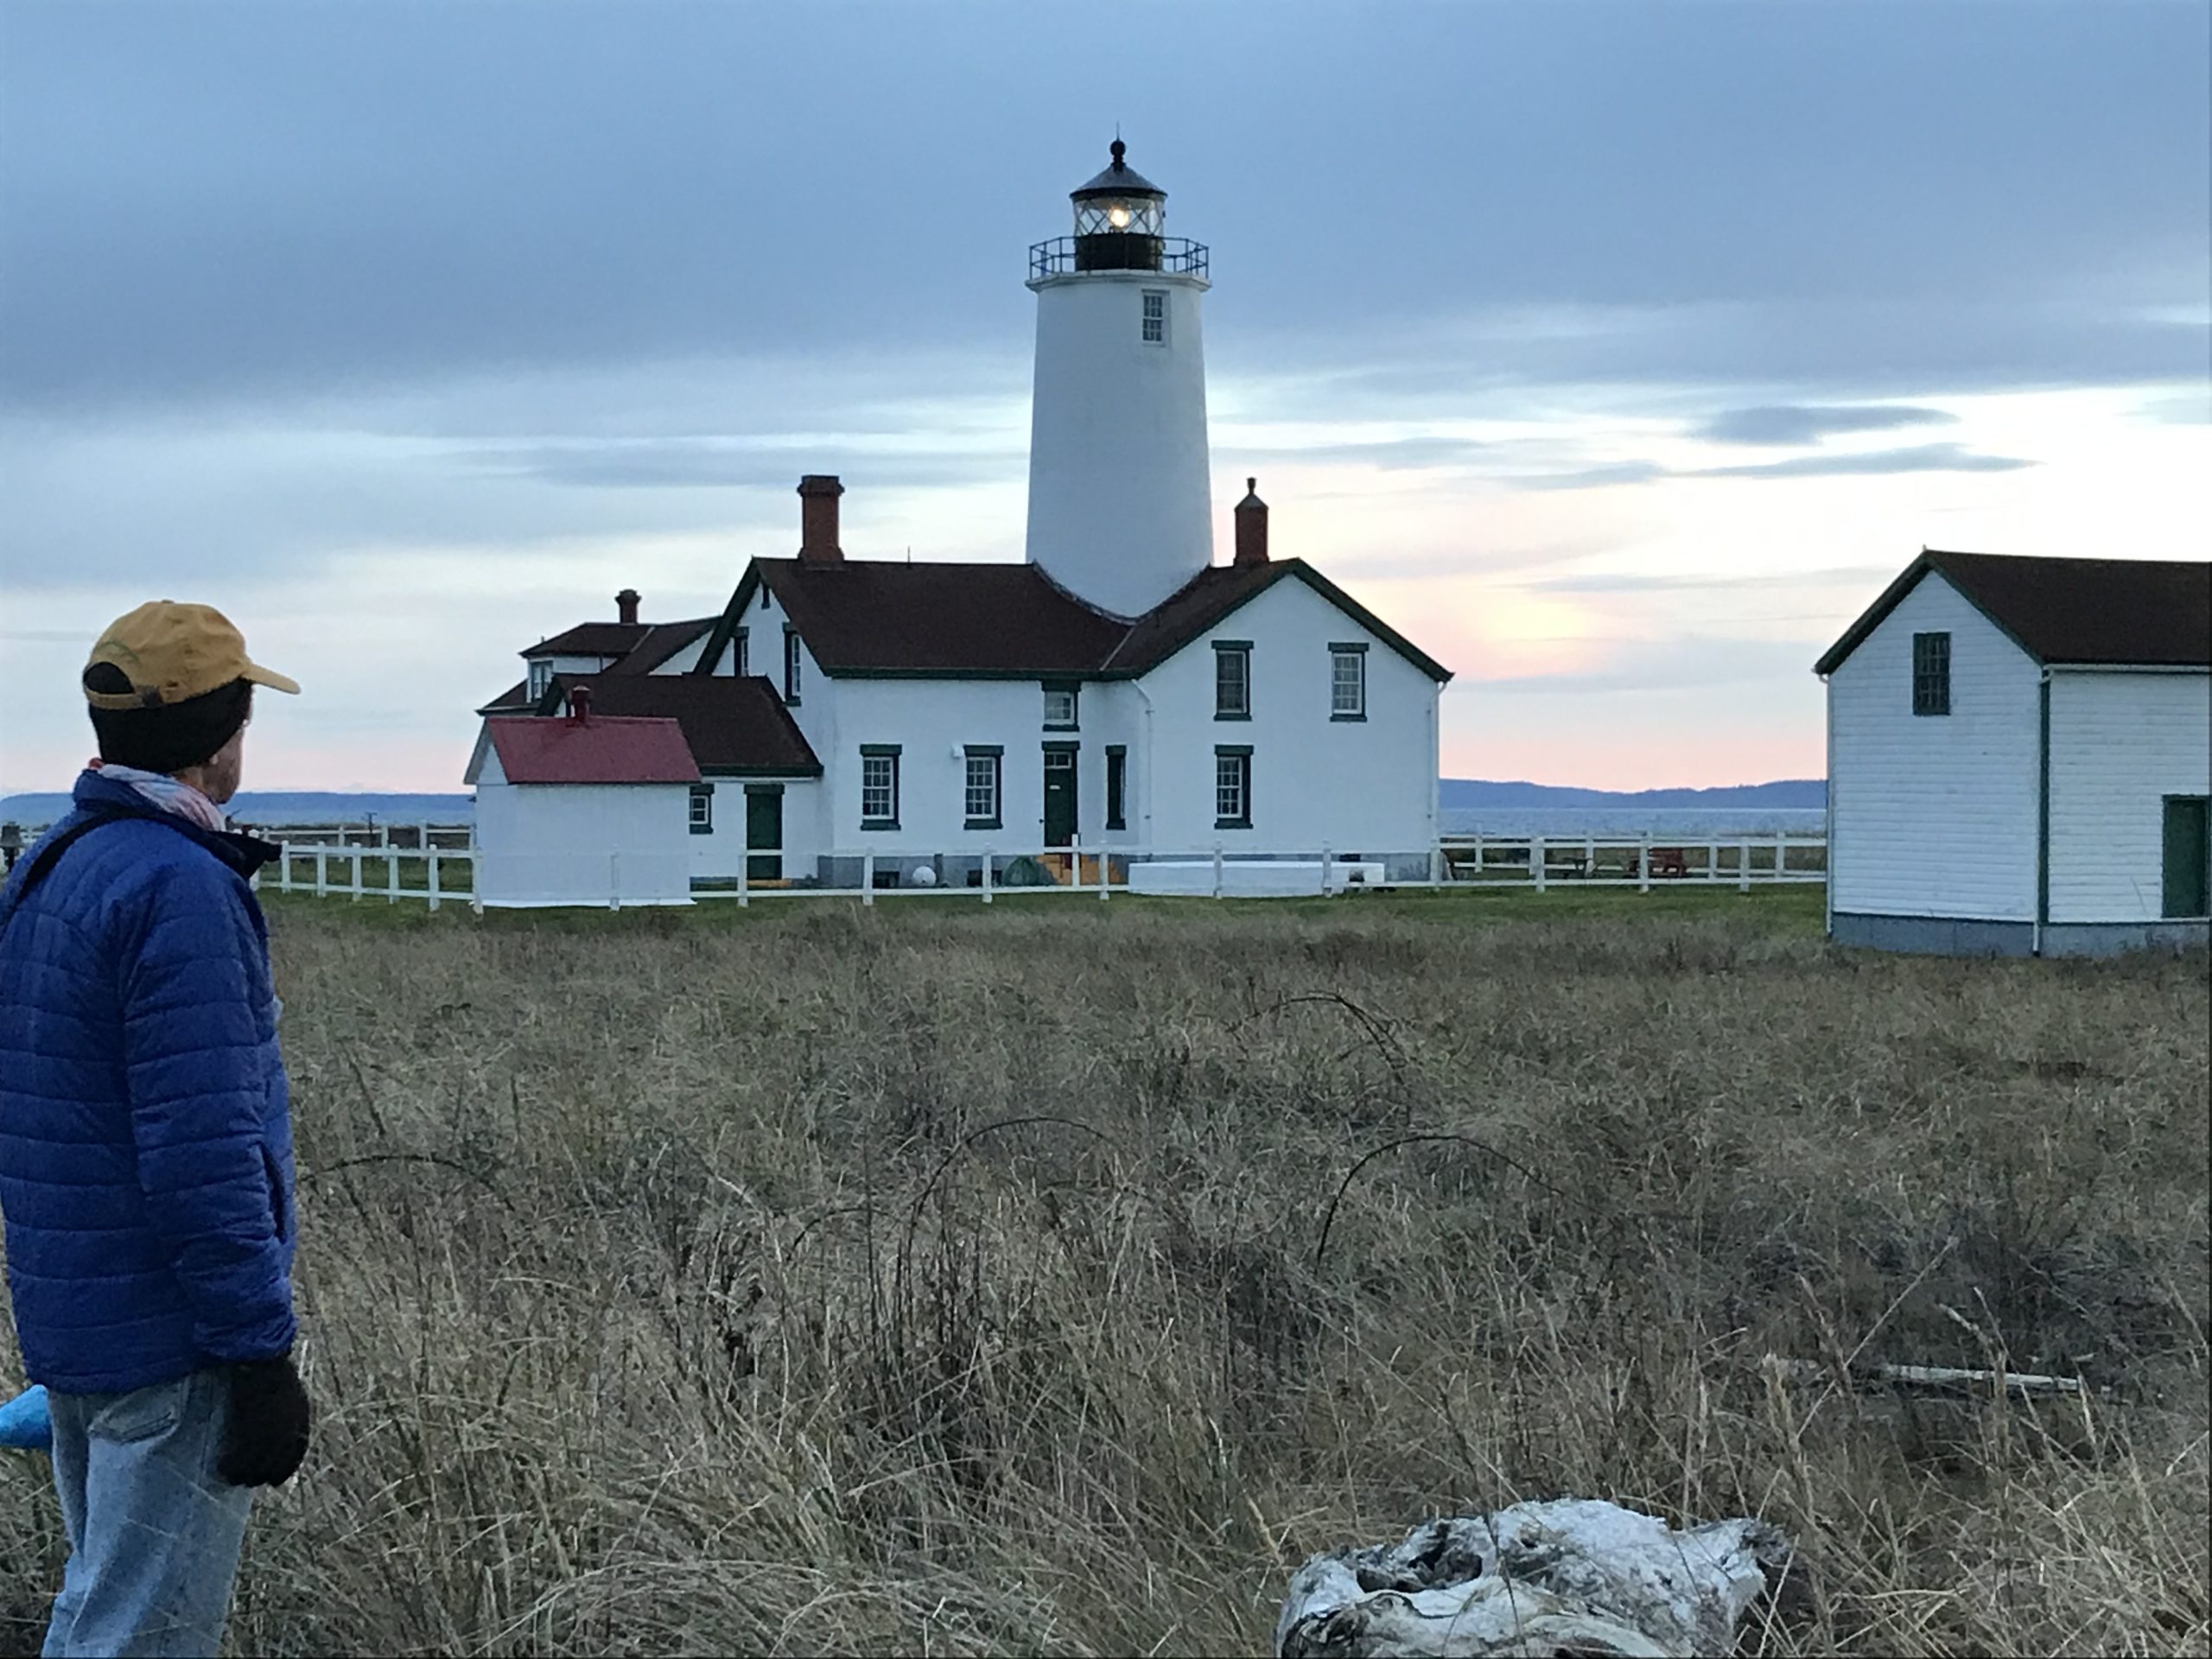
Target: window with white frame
pixel 1059 707
pixel 1348 682
pixel 879 786
pixel 541 675
pixel 1155 316
pixel 743 665
pixel 702 809
pixel 790 666
pixel 979 799
pixel 1232 788
pixel 1232 679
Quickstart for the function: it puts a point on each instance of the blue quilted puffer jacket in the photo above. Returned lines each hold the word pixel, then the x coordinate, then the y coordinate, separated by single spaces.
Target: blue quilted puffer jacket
pixel 145 1125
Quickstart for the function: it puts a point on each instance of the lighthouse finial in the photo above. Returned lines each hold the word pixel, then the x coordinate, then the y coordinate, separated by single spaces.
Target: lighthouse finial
pixel 1117 148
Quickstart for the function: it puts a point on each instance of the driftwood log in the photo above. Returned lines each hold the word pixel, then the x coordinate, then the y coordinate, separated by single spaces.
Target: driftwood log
pixel 1572 1576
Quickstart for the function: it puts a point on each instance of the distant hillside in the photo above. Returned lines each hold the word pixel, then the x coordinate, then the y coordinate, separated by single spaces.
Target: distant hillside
pixel 285 806
pixel 1465 794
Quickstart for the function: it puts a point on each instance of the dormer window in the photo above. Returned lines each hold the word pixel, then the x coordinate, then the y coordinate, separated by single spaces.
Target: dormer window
pixel 541 676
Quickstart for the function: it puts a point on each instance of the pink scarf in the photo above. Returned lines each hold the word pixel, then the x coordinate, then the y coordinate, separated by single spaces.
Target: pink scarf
pixel 168 793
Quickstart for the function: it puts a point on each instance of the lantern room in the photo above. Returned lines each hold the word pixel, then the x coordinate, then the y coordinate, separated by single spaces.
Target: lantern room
pixel 1118 218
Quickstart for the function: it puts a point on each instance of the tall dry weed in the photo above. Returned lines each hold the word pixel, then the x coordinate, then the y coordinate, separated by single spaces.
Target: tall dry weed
pixel 949 1281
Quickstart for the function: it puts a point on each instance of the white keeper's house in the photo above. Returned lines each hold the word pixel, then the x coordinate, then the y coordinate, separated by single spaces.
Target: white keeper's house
pixel 2019 758
pixel 1117 691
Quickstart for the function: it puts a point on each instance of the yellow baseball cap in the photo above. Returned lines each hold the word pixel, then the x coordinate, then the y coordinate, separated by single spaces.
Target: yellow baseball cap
pixel 171 652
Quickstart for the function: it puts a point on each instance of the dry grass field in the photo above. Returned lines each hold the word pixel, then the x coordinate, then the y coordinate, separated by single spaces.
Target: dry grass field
pixel 931 1279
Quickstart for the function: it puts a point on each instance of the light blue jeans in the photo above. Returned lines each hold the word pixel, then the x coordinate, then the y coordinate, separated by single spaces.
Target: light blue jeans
pixel 154 1531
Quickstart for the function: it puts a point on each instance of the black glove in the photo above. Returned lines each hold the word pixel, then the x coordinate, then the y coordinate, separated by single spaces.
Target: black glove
pixel 265 1435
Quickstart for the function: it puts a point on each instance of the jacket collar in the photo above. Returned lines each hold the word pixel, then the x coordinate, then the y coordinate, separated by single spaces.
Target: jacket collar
pixel 99 796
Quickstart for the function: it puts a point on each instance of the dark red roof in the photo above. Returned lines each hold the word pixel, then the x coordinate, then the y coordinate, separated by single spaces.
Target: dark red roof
pixel 514 699
pixel 1002 620
pixel 876 616
pixel 592 639
pixel 661 641
pixel 732 726
pixel 2129 613
pixel 600 750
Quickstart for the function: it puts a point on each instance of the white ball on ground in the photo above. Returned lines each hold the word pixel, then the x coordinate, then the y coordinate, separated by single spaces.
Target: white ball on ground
pixel 922 875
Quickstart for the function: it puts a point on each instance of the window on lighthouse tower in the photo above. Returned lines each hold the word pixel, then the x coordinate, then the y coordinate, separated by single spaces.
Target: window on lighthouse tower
pixel 1155 316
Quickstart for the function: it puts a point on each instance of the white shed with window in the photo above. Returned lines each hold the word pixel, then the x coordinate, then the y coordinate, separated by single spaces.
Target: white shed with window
pixel 2020 758
pixel 582 809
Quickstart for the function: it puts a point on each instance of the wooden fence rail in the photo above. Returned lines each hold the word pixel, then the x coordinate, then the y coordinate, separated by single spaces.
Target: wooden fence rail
pixel 438 874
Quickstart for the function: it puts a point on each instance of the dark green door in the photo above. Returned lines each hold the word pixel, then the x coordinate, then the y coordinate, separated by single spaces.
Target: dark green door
pixel 1059 797
pixel 2189 856
pixel 764 827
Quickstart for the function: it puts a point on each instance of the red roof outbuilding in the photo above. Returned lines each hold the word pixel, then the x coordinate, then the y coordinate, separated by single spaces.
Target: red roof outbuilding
pixel 602 749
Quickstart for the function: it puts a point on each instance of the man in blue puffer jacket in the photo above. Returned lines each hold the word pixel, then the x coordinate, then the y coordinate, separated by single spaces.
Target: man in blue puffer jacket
pixel 146 1146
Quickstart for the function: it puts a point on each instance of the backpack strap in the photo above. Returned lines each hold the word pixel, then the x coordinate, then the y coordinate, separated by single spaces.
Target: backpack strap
pixel 49 855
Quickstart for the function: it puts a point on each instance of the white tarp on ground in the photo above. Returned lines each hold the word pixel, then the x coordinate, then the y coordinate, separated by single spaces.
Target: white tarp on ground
pixel 1252 878
pixel 1570 1575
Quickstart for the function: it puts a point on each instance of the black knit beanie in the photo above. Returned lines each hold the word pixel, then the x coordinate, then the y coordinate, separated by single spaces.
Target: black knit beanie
pixel 166 737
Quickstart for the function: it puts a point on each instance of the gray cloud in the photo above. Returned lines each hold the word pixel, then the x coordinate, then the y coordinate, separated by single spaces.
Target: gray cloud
pixel 1795 423
pixel 1924 458
pixel 1391 454
pixel 1921 458
pixel 208 203
pixel 1588 478
pixel 699 463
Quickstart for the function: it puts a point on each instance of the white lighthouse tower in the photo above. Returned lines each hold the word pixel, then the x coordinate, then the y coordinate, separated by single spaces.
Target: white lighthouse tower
pixel 1121 514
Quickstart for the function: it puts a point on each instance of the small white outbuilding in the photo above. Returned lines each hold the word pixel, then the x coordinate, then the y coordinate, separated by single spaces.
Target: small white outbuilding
pixel 583 809
pixel 2020 758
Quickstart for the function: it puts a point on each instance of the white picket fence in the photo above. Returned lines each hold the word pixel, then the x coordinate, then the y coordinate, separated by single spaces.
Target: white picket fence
pixel 326 870
pixel 439 875
pixel 1637 861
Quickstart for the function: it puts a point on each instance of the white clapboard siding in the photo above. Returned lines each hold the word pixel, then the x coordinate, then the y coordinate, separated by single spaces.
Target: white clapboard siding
pixel 2119 743
pixel 1935 815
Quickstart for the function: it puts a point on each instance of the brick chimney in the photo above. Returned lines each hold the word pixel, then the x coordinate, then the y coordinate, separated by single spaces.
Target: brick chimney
pixel 1251 526
pixel 817 519
pixel 626 608
pixel 579 704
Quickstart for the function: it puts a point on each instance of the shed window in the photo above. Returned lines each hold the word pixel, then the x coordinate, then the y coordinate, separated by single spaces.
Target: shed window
pixel 702 809
pixel 1931 673
pixel 1348 682
pixel 981 798
pixel 1155 316
pixel 879 786
pixel 1232 679
pixel 790 666
pixel 2188 856
pixel 1232 788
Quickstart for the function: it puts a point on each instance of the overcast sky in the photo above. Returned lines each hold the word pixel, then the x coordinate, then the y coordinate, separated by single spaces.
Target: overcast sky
pixel 1616 353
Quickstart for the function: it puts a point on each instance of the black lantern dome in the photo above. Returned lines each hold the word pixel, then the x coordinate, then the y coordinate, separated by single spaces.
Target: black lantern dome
pixel 1118 218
